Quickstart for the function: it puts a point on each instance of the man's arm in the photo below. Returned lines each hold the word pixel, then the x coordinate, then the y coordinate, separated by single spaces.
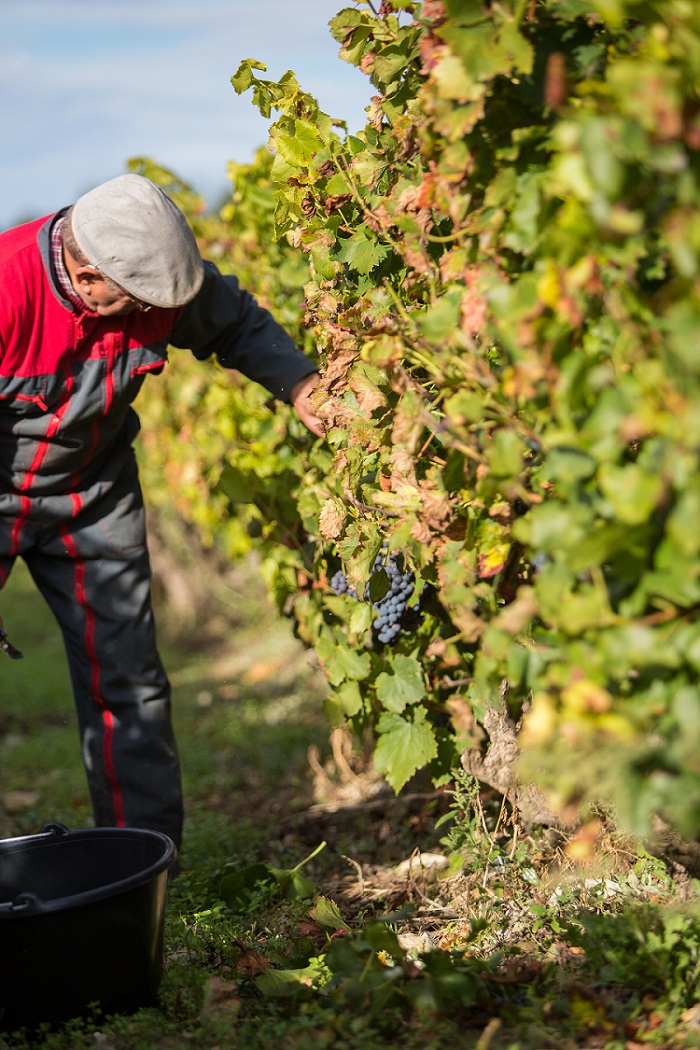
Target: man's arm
pixel 225 320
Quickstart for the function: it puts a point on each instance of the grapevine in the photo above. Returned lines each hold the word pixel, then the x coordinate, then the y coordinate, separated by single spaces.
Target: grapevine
pixel 500 275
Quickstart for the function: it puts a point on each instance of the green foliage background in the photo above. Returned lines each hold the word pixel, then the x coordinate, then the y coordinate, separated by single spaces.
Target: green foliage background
pixel 500 275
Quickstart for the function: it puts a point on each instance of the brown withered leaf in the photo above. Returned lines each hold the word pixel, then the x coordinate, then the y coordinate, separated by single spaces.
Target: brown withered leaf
pixel 453 264
pixel 436 506
pixel 251 962
pixel 220 997
pixel 367 63
pixel 416 258
pixel 474 310
pixel 469 625
pixel 402 467
pixel 342 339
pixel 408 202
pixel 336 372
pixel 515 617
pixel 318 239
pixel 308 205
pixel 434 11
pixel 375 113
pixel 368 394
pixel 556 87
pixel 331 519
pixel 337 202
pixel 431 50
pixel 426 191
pixel 379 219
pixel 421 533
pixel 326 306
pixel 309 927
pixel 337 412
pixel 408 424
pixel 461 715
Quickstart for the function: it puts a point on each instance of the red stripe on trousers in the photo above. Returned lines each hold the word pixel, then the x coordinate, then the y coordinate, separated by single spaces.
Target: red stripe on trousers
pixel 107 717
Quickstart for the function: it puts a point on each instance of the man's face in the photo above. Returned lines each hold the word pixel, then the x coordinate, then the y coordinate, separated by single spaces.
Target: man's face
pixel 102 297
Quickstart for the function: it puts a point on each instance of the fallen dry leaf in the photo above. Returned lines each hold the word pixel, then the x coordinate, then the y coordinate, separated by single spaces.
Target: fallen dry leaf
pixel 16 801
pixel 220 997
pixel 251 963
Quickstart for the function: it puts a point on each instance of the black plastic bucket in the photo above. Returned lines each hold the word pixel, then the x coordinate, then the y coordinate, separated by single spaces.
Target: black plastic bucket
pixel 81 922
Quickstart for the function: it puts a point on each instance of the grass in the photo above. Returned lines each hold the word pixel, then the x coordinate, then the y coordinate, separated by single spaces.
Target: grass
pixel 273 938
pixel 246 707
pixel 41 778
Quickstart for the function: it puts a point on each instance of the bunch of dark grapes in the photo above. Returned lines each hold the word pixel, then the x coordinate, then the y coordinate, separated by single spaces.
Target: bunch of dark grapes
pixel 339 584
pixel 392 612
pixel 391 609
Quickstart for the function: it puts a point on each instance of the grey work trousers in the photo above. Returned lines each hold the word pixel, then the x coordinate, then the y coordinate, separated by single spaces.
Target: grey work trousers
pixel 94 573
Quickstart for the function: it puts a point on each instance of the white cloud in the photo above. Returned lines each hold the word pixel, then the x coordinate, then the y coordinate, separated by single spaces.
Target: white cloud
pixel 83 89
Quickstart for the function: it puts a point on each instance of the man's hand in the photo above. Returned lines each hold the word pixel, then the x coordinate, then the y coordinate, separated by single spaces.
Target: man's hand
pixel 6 646
pixel 300 397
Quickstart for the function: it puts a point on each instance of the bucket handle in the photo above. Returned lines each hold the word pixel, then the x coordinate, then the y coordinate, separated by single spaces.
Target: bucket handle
pixel 23 904
pixel 54 828
pixel 28 903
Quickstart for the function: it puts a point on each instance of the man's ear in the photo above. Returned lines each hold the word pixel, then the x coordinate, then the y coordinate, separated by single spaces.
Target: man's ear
pixel 86 277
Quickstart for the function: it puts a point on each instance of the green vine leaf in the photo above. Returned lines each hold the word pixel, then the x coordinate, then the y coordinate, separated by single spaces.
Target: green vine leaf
pixel 404 686
pixel 404 746
pixel 340 662
pixel 243 78
pixel 362 252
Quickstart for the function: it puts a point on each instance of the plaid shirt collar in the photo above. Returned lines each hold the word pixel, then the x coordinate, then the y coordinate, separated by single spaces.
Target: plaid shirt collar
pixel 61 273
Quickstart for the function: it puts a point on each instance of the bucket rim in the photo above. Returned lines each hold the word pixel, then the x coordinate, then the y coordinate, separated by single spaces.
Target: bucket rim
pixel 58 832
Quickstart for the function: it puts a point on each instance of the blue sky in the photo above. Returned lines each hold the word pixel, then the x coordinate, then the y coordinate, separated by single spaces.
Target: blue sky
pixel 84 86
